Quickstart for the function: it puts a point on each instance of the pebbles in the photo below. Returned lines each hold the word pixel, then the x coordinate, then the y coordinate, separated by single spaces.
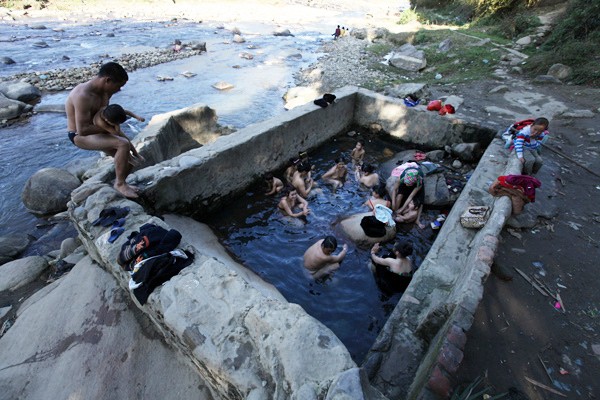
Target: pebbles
pixel 65 79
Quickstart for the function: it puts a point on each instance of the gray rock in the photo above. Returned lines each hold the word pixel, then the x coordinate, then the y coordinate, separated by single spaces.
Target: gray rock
pixel 79 166
pixel 223 85
pixel 246 55
pixel 49 190
pixel 577 114
pixel 84 322
pixel 445 46
pixel 435 155
pixel 560 71
pixel 456 164
pixel 201 46
pixel 238 39
pixel 524 41
pixel 352 229
pixel 50 108
pixel 468 152
pixel 544 79
pixel 7 60
pixel 353 384
pixel 37 26
pixel 110 34
pixel 10 109
pixel 20 272
pixel 409 58
pixel 420 90
pixel 500 89
pixel 20 91
pixel 41 44
pixel 455 101
pixel 282 32
pixel 68 246
pixel 11 246
pixel 236 31
pixel 436 191
pixel 4 311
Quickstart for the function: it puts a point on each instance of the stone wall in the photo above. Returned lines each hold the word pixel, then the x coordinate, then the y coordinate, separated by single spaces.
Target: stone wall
pixel 243 337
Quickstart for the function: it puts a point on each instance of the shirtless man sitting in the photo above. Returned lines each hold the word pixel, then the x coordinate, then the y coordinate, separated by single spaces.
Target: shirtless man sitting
pixel 318 259
pixel 290 201
pixel 84 101
pixel 302 181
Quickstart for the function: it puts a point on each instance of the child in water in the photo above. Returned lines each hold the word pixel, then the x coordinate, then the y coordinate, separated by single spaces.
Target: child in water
pixel 401 265
pixel 110 119
pixel 274 185
pixel 358 153
pixel 318 259
pixel 292 200
pixel 336 174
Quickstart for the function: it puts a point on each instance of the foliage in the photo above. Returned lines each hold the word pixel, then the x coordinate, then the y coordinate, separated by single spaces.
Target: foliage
pixel 408 15
pixel 379 49
pixel 509 26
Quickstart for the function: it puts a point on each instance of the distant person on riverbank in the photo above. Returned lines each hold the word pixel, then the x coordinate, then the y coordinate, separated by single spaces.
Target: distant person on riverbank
pixel 336 174
pixel 274 185
pixel 318 259
pixel 83 103
pixel 177 46
pixel 292 200
pixel 110 119
pixel 337 33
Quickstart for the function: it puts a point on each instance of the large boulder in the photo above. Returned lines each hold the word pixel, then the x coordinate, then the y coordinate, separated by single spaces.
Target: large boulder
pixel 409 58
pixel 10 109
pixel 468 152
pixel 48 190
pixel 20 272
pixel 352 229
pixel 21 91
pixel 419 90
pixel 11 246
pixel 436 191
pixel 81 338
pixel 560 71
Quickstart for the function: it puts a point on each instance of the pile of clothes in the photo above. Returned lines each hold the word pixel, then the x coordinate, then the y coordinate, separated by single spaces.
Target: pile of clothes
pixel 520 189
pixel 152 257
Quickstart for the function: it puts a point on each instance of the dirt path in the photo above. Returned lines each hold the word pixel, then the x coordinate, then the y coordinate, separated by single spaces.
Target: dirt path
pixel 518 333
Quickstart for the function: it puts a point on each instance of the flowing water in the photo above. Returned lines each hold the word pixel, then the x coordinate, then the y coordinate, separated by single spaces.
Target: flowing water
pixel 350 303
pixel 259 84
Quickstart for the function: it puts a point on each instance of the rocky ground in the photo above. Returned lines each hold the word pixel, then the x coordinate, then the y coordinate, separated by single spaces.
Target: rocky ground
pixel 518 335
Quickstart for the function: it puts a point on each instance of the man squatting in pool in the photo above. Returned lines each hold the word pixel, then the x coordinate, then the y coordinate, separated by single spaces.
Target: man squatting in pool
pixel 84 101
pixel 318 259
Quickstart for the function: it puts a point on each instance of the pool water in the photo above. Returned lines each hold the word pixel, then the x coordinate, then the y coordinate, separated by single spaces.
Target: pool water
pixel 349 301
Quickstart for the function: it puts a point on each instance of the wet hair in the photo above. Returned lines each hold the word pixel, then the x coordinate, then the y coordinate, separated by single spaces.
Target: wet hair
pixel 417 201
pixel 113 71
pixel 404 248
pixel 367 168
pixel 542 121
pixel 362 142
pixel 287 190
pixel 340 160
pixel 115 114
pixel 380 190
pixel 303 167
pixel 268 176
pixel 329 242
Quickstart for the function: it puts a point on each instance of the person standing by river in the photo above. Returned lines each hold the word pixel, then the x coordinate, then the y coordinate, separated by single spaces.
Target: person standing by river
pixel 84 101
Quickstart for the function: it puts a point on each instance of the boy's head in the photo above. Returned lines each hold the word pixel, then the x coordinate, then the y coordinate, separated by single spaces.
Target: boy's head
pixel 177 42
pixel 403 248
pixel 303 167
pixel 114 114
pixel 367 168
pixel 329 245
pixel 268 177
pixel 539 125
pixel 360 144
pixel 380 190
pixel 340 161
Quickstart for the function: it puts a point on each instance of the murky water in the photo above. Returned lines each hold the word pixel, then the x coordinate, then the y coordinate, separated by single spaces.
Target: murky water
pixel 350 303
pixel 259 85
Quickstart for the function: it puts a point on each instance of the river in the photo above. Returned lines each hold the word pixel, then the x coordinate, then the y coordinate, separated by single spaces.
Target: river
pixel 259 84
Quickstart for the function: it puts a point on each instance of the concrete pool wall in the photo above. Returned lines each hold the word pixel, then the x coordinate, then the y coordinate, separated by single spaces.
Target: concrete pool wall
pixel 241 335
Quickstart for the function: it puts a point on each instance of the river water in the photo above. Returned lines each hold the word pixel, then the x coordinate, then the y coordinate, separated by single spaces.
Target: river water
pixel 41 141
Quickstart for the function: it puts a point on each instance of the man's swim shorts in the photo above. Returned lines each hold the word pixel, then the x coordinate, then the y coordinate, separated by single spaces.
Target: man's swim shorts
pixel 72 136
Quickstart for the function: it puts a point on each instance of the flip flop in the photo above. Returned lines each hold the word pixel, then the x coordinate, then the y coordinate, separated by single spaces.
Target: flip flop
pixel 118 223
pixel 321 103
pixel 109 215
pixel 114 234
